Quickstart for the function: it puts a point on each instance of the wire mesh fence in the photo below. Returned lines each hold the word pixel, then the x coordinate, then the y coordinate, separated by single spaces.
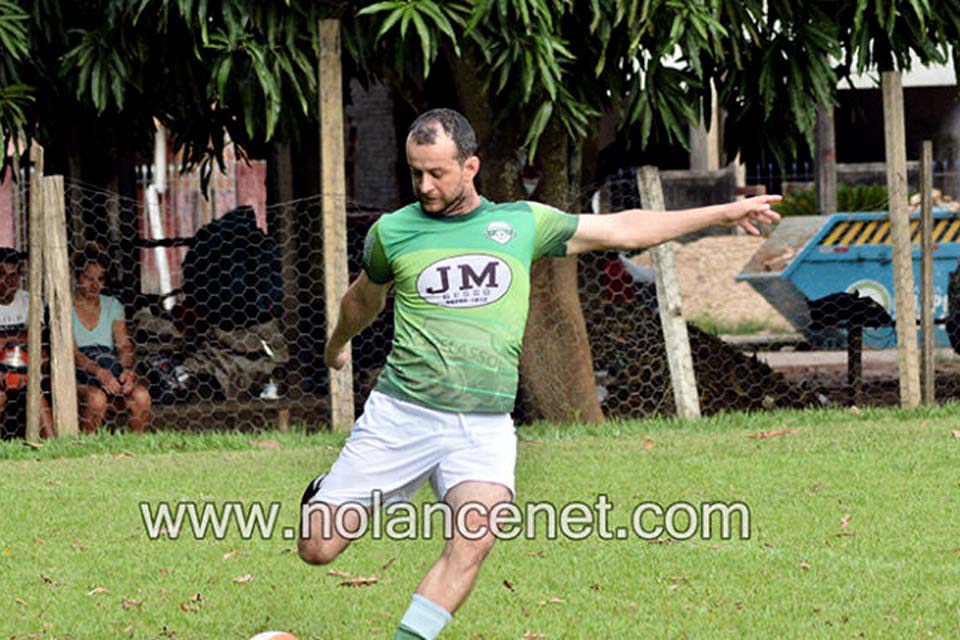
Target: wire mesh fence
pixel 226 321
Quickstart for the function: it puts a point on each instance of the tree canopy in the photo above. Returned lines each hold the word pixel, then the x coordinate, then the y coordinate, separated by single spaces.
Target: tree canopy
pixel 204 66
pixel 199 67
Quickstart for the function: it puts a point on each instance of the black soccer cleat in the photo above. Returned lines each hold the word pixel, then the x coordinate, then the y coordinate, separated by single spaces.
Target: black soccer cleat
pixel 312 489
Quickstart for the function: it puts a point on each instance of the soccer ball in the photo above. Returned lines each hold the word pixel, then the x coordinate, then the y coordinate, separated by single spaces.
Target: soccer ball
pixel 274 635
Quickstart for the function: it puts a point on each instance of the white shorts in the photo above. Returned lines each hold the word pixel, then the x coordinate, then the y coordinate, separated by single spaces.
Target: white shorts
pixel 396 446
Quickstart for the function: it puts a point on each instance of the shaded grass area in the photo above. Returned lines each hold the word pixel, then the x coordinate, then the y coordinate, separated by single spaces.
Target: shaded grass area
pixel 851 531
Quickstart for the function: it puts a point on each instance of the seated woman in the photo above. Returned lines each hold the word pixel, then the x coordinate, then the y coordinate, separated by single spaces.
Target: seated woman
pixel 104 351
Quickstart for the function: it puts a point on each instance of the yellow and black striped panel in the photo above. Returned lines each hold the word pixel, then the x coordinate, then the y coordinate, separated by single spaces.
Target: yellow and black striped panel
pixel 853 232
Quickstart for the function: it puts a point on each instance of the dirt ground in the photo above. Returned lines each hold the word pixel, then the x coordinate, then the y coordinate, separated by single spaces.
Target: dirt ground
pixel 706 269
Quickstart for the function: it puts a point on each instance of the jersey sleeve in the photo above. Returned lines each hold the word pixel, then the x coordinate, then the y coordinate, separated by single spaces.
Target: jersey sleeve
pixel 375 262
pixel 553 229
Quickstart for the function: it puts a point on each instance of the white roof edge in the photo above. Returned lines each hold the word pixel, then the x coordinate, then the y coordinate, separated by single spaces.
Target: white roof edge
pixel 919 76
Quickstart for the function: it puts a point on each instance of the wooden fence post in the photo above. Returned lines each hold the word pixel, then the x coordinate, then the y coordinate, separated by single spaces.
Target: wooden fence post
pixel 826 164
pixel 675 336
pixel 63 380
pixel 927 369
pixel 903 284
pixel 333 188
pixel 35 287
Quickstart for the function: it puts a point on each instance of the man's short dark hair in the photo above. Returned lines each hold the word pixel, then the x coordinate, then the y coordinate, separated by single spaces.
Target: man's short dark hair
pixel 424 130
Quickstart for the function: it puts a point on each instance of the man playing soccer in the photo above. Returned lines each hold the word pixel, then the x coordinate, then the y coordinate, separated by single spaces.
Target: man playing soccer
pixel 441 408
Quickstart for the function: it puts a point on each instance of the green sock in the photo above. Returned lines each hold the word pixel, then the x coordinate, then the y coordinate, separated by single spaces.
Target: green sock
pixel 404 633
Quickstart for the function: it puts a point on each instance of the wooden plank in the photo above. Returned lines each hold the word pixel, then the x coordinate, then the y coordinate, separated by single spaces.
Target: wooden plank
pixel 826 164
pixel 903 283
pixel 63 381
pixel 927 370
pixel 670 304
pixel 289 270
pixel 333 186
pixel 35 287
pixel 705 140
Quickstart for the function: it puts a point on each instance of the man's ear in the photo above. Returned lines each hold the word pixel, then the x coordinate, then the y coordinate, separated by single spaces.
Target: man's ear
pixel 471 167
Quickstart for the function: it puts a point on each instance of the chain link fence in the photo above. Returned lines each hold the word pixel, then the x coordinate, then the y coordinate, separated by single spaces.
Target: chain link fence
pixel 227 321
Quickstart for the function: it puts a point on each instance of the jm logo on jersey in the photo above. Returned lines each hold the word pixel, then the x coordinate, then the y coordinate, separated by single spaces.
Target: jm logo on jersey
pixel 471 280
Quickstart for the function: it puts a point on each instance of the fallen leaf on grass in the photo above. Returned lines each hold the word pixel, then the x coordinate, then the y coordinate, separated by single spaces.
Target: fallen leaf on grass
pixel 164 571
pixel 123 454
pixel 387 564
pixel 33 445
pixel 537 554
pixel 266 444
pixel 184 606
pixel 956 434
pixel 129 630
pixel 844 521
pixel 242 579
pixel 229 554
pixel 507 584
pixel 360 581
pixel 648 444
pixel 771 434
pixel 805 566
pixel 197 598
pixel 97 591
pixel 21 601
pixel 533 636
pixel 855 410
pixel 336 573
pixel 595 586
pixel 130 603
pixel 543 603
pixel 55 582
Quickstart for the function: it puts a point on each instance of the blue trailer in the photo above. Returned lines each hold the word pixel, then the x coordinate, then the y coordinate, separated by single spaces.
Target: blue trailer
pixel 810 257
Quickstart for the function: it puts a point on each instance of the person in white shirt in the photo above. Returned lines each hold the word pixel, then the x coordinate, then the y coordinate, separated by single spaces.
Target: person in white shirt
pixel 14 315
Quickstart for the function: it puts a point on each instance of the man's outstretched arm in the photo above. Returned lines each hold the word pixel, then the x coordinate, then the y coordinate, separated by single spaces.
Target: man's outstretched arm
pixel 636 229
pixel 361 304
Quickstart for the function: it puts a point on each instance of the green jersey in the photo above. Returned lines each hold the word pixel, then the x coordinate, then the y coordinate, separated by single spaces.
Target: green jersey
pixel 462 295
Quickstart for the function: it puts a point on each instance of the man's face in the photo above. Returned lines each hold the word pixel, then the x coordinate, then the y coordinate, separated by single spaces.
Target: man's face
pixel 10 275
pixel 440 182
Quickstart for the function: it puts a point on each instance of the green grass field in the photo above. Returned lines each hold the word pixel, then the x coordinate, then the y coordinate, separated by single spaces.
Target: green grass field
pixel 855 532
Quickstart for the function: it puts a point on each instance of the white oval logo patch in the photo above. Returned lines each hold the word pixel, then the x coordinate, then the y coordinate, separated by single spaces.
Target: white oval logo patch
pixel 472 280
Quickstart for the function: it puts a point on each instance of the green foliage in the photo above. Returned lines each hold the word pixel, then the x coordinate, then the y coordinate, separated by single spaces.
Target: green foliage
pixel 651 61
pixel 888 34
pixel 199 67
pixel 15 97
pixel 850 198
pixel 797 203
pixel 718 326
pixel 202 66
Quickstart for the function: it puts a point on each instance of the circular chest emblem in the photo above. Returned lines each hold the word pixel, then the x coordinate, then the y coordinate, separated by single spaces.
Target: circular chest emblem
pixel 472 280
pixel 500 232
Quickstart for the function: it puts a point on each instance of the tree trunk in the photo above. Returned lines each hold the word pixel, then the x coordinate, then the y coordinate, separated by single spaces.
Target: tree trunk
pixel 556 367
